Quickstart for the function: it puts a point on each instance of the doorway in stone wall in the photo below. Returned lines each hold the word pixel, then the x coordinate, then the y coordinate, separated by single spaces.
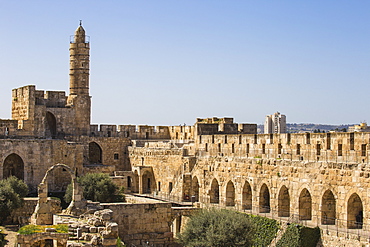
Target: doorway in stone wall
pixel 305 205
pixel 194 189
pixel 230 194
pixel 247 196
pixel 284 202
pixel 355 216
pixel 95 153
pixel 50 125
pixel 328 208
pixel 215 192
pixel 264 199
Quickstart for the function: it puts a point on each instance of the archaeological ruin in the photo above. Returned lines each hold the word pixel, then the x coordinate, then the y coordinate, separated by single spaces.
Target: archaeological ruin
pixel 315 179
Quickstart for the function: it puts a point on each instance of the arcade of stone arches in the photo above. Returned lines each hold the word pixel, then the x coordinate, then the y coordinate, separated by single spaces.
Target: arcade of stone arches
pixel 261 200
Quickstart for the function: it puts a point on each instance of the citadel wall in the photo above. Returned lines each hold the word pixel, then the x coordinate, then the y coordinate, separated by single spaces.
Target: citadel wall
pixel 318 179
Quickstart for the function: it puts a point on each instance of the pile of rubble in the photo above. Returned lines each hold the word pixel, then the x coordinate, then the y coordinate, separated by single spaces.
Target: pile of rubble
pixel 96 229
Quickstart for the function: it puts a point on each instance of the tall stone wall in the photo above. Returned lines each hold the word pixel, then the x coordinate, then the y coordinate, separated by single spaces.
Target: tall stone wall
pixel 38 155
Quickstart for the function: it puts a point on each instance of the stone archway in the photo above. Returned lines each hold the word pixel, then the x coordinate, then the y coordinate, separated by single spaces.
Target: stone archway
pixel 215 192
pixel 50 125
pixel 45 208
pixel 328 208
pixel 305 205
pixel 355 213
pixel 230 194
pixel 95 153
pixel 264 200
pixel 247 196
pixel 13 166
pixel 195 189
pixel 284 202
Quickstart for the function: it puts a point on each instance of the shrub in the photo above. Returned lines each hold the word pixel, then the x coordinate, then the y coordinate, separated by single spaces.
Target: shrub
pixel 12 192
pixel 97 187
pixel 215 227
pixel 119 243
pixel 299 236
pixel 265 230
pixel 30 229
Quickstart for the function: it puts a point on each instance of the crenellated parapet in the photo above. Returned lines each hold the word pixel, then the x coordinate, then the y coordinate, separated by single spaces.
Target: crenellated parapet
pixel 333 147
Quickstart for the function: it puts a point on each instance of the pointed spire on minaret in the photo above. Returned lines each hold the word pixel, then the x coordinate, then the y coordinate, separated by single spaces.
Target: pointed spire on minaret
pixel 80 34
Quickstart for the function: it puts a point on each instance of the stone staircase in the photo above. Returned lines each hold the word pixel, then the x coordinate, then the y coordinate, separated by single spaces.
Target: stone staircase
pixel 279 234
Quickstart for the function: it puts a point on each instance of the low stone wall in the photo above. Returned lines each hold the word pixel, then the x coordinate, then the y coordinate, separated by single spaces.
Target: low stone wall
pixel 40 238
pixel 330 238
pixel 143 223
pixel 22 215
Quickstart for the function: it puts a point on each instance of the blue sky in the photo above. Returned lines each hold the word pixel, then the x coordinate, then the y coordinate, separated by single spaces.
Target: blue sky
pixel 169 62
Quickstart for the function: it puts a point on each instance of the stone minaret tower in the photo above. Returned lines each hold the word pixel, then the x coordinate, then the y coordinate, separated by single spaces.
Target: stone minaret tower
pixel 79 98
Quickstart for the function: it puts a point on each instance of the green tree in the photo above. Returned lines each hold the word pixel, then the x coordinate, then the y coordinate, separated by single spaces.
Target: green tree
pixel 12 192
pixel 217 228
pixel 97 187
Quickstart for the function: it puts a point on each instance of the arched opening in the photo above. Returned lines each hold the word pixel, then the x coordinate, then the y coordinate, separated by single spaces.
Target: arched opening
pixel 284 202
pixel 13 166
pixel 264 199
pixel 95 153
pixel 355 213
pixel 328 208
pixel 147 182
pixel 215 192
pixel 247 196
pixel 305 205
pixel 194 189
pixel 50 125
pixel 230 194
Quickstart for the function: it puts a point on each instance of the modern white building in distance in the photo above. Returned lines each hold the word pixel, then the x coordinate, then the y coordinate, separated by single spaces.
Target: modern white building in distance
pixel 275 123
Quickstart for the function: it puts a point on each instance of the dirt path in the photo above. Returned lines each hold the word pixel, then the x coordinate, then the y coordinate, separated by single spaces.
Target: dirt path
pixel 11 235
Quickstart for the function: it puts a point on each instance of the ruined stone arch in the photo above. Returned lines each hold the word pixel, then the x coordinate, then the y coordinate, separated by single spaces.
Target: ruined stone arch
pixel 328 208
pixel 305 205
pixel 355 212
pixel 50 125
pixel 264 199
pixel 95 153
pixel 283 202
pixel 77 192
pixel 214 192
pixel 247 196
pixel 195 189
pixel 13 166
pixel 44 210
pixel 230 194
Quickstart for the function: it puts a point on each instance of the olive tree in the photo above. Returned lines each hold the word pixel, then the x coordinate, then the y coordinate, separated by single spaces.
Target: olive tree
pixel 12 192
pixel 98 187
pixel 217 227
